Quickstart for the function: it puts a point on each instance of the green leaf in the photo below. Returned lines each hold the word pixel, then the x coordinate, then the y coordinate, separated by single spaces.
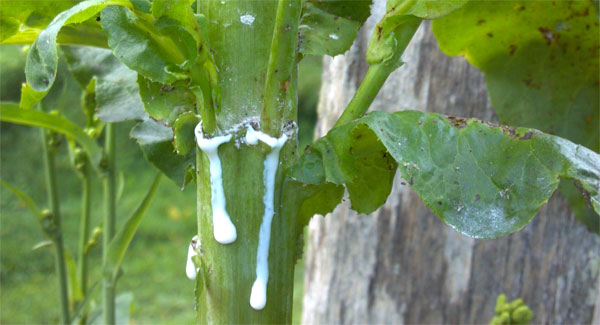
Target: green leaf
pixel 184 139
pixel 10 112
pixel 115 87
pixel 26 199
pixel 179 10
pixel 42 244
pixel 75 293
pixel 540 61
pixel 117 97
pixel 580 204
pixel 398 25
pixel 42 59
pixel 165 102
pixel 541 66
pixel 426 9
pixel 123 308
pixel 86 62
pixel 22 21
pixel 82 307
pixel 481 179
pixel 356 10
pixel 359 161
pixel 330 27
pixel 156 142
pixel 137 43
pixel 119 244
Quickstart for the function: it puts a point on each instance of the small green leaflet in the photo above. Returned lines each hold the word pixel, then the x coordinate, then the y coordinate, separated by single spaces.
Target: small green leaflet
pixel 398 25
pixel 165 102
pixel 141 46
pixel 330 27
pixel 116 90
pixel 120 243
pixel 483 180
pixel 184 139
pixel 156 142
pixel 42 59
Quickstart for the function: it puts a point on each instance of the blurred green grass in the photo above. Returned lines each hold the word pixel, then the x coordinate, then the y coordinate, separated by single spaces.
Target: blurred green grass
pixel 154 265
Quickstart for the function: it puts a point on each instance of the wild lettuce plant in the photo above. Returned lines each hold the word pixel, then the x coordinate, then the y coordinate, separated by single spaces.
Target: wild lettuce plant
pixel 214 86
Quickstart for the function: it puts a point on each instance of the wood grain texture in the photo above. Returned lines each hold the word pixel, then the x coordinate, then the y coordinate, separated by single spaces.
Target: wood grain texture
pixel 401 264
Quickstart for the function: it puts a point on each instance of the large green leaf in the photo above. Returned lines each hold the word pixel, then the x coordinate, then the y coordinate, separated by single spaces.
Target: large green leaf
pixel 481 179
pixel 156 142
pixel 42 59
pixel 540 59
pixel 541 65
pixel 119 244
pixel 330 27
pixel 140 45
pixel 10 112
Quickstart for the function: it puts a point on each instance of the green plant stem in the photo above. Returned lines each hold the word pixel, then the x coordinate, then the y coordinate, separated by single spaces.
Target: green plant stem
pixel 243 53
pixel 110 198
pixel 281 65
pixel 366 93
pixel 84 232
pixel 57 239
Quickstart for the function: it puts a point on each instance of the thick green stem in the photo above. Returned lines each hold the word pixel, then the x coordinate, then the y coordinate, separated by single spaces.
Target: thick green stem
pixel 57 239
pixel 368 89
pixel 110 198
pixel 257 81
pixel 84 232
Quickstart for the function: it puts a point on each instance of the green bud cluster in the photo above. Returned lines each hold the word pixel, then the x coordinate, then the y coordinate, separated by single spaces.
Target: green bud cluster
pixel 48 222
pixel 80 160
pixel 94 238
pixel 511 313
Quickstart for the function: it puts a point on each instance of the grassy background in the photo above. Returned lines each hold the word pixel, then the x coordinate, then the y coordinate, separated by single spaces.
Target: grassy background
pixel 154 266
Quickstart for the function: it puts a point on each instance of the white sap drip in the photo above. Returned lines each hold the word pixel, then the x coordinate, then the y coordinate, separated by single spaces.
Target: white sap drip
pixel 190 268
pixel 258 297
pixel 223 229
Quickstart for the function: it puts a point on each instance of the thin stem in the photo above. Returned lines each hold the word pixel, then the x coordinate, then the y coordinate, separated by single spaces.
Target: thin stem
pixel 84 231
pixel 54 202
pixel 282 62
pixel 368 89
pixel 108 298
pixel 400 30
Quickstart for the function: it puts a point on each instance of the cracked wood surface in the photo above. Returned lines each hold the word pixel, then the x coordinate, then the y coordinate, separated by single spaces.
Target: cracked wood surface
pixel 401 264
